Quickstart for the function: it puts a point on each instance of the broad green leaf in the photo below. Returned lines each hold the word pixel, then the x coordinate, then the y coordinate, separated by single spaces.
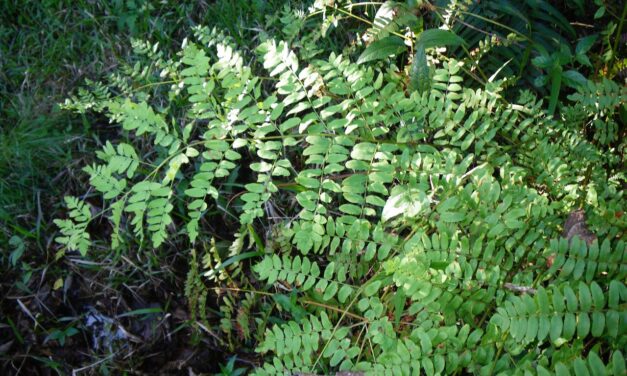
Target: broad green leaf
pixel 612 323
pixel 598 324
pixel 614 294
pixel 337 357
pixel 380 49
pixel 583 46
pixel 574 79
pixel 571 299
pixel 543 61
pixel 408 201
pixel 561 370
pixel 596 364
pixel 570 325
pixel 583 325
pixel 419 73
pixel 580 367
pixel 330 269
pixel 438 38
pixel 544 326
pixel 585 297
pixel 618 363
pixel 330 291
pixel 556 83
pixel 556 328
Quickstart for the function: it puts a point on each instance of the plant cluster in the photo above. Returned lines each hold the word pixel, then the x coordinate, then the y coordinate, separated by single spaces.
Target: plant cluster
pixel 392 207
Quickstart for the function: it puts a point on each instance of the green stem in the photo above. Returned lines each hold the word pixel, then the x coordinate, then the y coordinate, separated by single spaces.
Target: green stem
pixel 304 301
pixel 619 30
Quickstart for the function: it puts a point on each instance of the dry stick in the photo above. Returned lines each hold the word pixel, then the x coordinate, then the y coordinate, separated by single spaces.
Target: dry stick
pixel 29 314
pixel 518 288
pixel 89 366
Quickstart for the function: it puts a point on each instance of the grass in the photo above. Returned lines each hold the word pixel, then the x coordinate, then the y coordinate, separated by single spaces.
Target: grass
pixel 47 49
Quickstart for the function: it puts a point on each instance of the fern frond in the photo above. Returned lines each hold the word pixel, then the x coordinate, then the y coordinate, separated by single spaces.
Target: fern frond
pixel 306 275
pixel 575 260
pixel 560 314
pixel 74 230
pixel 121 159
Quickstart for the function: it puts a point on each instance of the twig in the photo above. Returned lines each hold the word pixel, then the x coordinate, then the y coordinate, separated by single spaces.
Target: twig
pixel 521 289
pixel 29 314
pixel 76 371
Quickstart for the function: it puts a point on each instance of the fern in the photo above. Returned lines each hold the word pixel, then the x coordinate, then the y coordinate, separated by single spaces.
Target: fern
pixel 299 343
pixel 195 291
pixel 600 103
pixel 74 230
pixel 560 314
pixel 403 209
pixel 101 178
pixel 142 119
pixel 306 275
pixel 218 163
pixel 122 159
pixel 592 364
pixel 150 200
pixel 590 263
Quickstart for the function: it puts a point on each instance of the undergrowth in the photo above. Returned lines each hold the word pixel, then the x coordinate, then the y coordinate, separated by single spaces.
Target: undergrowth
pixel 391 188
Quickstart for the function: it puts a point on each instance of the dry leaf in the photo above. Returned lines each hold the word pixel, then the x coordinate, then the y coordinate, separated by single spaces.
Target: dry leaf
pixel 576 226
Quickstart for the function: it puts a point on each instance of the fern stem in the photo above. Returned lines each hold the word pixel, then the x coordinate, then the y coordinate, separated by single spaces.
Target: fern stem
pixel 336 309
pixel 483 75
pixel 345 313
pixel 619 30
pixel 156 84
pixel 363 343
pixel 304 301
pixel 499 351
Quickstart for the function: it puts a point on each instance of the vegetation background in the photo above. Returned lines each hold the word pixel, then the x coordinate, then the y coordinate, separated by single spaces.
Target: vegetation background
pixel 130 312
